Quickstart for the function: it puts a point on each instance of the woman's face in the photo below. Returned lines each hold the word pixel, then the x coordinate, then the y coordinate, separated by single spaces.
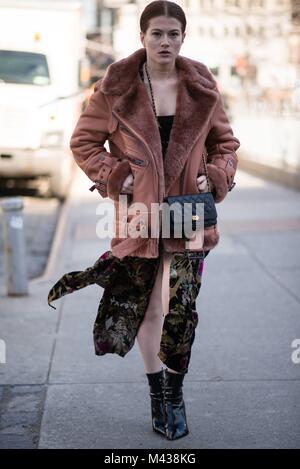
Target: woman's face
pixel 163 33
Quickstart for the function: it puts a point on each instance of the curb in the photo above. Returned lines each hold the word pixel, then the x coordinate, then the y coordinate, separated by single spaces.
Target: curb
pixel 286 177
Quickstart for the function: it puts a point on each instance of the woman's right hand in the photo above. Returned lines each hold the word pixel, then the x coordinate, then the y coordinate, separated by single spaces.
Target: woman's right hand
pixel 127 187
pixel 202 183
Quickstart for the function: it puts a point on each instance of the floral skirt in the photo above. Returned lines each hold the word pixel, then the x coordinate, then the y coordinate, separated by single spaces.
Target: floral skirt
pixel 128 283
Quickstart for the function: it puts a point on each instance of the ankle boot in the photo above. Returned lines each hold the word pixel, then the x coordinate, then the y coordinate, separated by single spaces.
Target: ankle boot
pixel 175 416
pixel 156 383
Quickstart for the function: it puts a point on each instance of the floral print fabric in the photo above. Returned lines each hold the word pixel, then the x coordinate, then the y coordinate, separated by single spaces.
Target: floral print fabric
pixel 128 284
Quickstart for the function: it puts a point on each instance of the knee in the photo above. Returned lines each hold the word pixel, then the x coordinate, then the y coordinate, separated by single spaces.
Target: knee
pixel 154 313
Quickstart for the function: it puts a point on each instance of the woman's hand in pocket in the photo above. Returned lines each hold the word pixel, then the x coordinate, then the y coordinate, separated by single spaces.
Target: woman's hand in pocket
pixel 202 183
pixel 127 187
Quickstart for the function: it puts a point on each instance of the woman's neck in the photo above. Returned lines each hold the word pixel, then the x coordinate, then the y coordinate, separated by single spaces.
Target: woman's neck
pixel 159 73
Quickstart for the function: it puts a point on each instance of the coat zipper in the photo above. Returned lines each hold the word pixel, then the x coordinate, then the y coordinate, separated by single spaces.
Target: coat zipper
pixel 136 134
pixel 149 151
pixel 136 161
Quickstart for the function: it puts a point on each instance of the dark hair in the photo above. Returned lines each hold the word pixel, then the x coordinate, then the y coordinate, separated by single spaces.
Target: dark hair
pixel 162 8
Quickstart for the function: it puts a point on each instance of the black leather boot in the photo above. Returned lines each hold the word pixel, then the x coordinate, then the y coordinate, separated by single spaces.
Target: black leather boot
pixel 175 417
pixel 156 383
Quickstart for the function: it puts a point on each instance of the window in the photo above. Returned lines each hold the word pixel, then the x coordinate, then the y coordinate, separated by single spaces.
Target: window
pixel 249 30
pixel 214 70
pixel 233 71
pixel 24 67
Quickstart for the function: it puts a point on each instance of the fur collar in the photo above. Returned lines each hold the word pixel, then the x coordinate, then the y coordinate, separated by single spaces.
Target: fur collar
pixel 196 100
pixel 120 75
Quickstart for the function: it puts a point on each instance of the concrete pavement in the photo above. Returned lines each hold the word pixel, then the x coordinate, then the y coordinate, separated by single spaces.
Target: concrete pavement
pixel 242 389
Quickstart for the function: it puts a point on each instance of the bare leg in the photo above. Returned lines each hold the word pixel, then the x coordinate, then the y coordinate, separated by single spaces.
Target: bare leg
pixel 149 333
pixel 165 282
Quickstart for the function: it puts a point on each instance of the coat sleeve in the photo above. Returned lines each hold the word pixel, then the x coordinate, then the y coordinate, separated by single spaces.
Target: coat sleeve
pixel 221 146
pixel 87 145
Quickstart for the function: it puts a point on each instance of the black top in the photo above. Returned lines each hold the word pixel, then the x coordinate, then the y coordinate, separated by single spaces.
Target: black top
pixel 166 123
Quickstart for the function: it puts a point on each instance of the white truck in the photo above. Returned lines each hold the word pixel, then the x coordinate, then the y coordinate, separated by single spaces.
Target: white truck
pixel 44 79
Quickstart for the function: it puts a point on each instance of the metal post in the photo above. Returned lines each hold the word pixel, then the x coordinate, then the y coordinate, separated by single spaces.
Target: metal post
pixel 14 247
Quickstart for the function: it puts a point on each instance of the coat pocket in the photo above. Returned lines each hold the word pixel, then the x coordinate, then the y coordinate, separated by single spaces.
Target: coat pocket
pixel 137 162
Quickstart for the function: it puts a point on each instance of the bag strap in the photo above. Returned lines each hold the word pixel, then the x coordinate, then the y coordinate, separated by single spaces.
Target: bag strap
pixel 206 173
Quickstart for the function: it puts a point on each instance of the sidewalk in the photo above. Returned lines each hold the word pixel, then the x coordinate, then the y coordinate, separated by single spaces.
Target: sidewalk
pixel 242 389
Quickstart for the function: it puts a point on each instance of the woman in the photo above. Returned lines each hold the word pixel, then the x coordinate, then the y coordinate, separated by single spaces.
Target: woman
pixel 160 113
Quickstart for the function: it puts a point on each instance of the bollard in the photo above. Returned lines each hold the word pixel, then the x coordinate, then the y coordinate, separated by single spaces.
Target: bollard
pixel 14 247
